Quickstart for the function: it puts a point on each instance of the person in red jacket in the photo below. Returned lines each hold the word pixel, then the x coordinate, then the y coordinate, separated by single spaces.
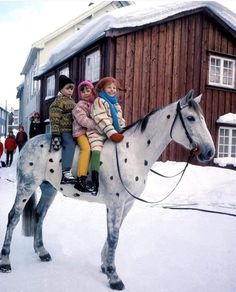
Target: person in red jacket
pixel 10 147
pixel 1 152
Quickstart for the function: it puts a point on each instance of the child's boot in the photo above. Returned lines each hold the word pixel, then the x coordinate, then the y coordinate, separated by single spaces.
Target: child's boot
pixel 82 185
pixel 67 177
pixel 95 180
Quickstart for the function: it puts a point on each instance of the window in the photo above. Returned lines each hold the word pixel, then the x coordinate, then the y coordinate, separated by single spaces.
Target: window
pixel 92 66
pixel 64 71
pixel 50 87
pixel 227 142
pixel 222 72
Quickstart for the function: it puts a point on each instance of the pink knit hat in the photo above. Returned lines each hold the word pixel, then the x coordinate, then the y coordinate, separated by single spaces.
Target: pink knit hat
pixel 85 83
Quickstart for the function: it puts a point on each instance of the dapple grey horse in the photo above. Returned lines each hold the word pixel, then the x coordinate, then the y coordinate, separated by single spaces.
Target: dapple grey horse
pixel 124 170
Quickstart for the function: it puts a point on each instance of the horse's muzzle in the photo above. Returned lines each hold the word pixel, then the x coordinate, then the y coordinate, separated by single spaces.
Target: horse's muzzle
pixel 203 153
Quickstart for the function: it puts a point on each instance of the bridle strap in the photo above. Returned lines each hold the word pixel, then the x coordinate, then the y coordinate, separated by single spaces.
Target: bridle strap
pixel 178 113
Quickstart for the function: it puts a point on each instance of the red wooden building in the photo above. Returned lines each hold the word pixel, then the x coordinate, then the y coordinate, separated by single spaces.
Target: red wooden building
pixel 158 54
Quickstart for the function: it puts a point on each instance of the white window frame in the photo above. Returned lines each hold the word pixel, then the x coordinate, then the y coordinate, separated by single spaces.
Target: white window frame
pixel 65 71
pixel 92 66
pixel 231 144
pixel 222 72
pixel 50 87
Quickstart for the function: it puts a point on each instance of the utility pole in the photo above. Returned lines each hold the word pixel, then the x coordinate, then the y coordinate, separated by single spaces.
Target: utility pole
pixel 6 123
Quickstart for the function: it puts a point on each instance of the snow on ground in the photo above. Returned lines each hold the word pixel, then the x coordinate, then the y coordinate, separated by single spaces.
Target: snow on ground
pixel 159 250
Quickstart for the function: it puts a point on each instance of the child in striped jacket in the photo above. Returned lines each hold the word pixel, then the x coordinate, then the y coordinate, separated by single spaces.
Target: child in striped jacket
pixel 82 122
pixel 109 120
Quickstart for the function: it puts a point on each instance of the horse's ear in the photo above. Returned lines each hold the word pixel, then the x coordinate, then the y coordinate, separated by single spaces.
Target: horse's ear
pixel 198 98
pixel 184 100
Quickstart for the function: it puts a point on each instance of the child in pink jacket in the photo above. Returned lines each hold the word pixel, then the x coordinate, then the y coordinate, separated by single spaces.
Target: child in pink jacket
pixel 82 122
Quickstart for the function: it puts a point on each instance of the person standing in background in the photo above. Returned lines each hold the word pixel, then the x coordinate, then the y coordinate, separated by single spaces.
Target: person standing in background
pixel 1 152
pixel 36 126
pixel 21 137
pixel 10 147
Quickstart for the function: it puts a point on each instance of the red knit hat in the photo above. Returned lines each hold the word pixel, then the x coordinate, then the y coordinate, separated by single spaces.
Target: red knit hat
pixel 36 115
pixel 87 83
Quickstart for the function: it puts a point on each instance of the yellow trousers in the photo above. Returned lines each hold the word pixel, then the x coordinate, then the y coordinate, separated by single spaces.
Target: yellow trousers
pixel 84 156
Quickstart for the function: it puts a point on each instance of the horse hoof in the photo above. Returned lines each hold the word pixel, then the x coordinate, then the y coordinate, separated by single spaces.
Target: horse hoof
pixel 5 268
pixel 45 258
pixel 117 285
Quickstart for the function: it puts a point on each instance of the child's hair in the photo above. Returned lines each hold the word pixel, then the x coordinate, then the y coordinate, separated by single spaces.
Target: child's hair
pixel 104 81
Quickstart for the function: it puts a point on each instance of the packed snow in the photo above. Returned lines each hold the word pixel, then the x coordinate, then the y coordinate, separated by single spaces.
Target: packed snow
pixel 173 246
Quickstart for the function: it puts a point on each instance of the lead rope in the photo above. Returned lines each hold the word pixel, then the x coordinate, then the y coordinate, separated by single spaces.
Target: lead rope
pixel 152 202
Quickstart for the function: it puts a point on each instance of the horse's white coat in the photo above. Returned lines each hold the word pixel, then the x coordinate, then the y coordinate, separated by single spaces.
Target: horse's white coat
pixel 142 145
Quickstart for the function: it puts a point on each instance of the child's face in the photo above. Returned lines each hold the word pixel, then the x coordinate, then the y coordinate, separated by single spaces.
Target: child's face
pixel 85 92
pixel 67 90
pixel 110 89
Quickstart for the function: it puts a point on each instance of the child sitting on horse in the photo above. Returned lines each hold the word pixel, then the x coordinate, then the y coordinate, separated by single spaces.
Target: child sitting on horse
pixel 82 122
pixel 109 120
pixel 60 113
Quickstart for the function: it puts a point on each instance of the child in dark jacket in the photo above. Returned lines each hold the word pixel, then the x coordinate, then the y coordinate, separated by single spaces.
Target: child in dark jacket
pixel 36 126
pixel 21 137
pixel 60 114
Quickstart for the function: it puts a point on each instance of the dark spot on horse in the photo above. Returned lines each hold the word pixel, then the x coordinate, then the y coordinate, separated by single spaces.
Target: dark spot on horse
pixel 117 194
pixel 111 177
pixel 148 142
pixel 76 195
pixel 127 144
pixel 31 163
pixel 145 162
pixel 60 160
pixel 61 189
pixel 144 181
pixel 136 178
pixel 126 160
pixel 107 210
pixel 41 145
pixel 50 160
pixel 168 116
pixel 24 200
pixel 101 163
pixel 51 170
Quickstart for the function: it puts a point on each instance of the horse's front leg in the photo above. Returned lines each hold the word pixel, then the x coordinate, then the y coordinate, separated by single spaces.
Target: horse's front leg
pixel 47 197
pixel 114 219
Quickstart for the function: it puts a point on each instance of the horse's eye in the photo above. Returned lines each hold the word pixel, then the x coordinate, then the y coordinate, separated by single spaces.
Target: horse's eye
pixel 191 118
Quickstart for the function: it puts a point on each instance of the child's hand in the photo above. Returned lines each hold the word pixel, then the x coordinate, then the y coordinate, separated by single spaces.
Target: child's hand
pixel 116 137
pixel 56 142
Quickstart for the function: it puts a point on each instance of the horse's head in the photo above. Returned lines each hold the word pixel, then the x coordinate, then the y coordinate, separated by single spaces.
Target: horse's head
pixel 189 128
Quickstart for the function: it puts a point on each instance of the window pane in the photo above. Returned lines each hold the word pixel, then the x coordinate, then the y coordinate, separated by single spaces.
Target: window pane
pixel 92 66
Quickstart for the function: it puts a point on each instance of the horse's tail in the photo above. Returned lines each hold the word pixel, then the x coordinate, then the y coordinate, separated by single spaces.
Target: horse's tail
pixel 28 216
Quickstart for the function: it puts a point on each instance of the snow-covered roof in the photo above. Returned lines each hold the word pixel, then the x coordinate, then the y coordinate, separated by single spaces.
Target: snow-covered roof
pixel 229 118
pixel 129 17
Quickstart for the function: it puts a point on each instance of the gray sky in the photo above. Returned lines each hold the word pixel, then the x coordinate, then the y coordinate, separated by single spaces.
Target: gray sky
pixel 24 22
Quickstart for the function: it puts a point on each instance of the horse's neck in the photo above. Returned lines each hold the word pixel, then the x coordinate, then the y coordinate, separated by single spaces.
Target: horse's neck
pixel 155 138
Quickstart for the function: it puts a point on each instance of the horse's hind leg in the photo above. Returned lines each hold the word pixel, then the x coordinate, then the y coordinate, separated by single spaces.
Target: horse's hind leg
pixel 22 196
pixel 47 197
pixel 114 220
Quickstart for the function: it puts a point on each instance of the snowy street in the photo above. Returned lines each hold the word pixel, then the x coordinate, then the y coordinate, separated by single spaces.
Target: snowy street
pixel 159 250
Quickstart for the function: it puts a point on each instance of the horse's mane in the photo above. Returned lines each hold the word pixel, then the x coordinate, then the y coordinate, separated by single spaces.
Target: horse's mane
pixel 142 123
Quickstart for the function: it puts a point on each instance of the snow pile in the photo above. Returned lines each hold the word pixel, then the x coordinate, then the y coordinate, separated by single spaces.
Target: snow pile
pixel 131 16
pixel 160 249
pixel 229 118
